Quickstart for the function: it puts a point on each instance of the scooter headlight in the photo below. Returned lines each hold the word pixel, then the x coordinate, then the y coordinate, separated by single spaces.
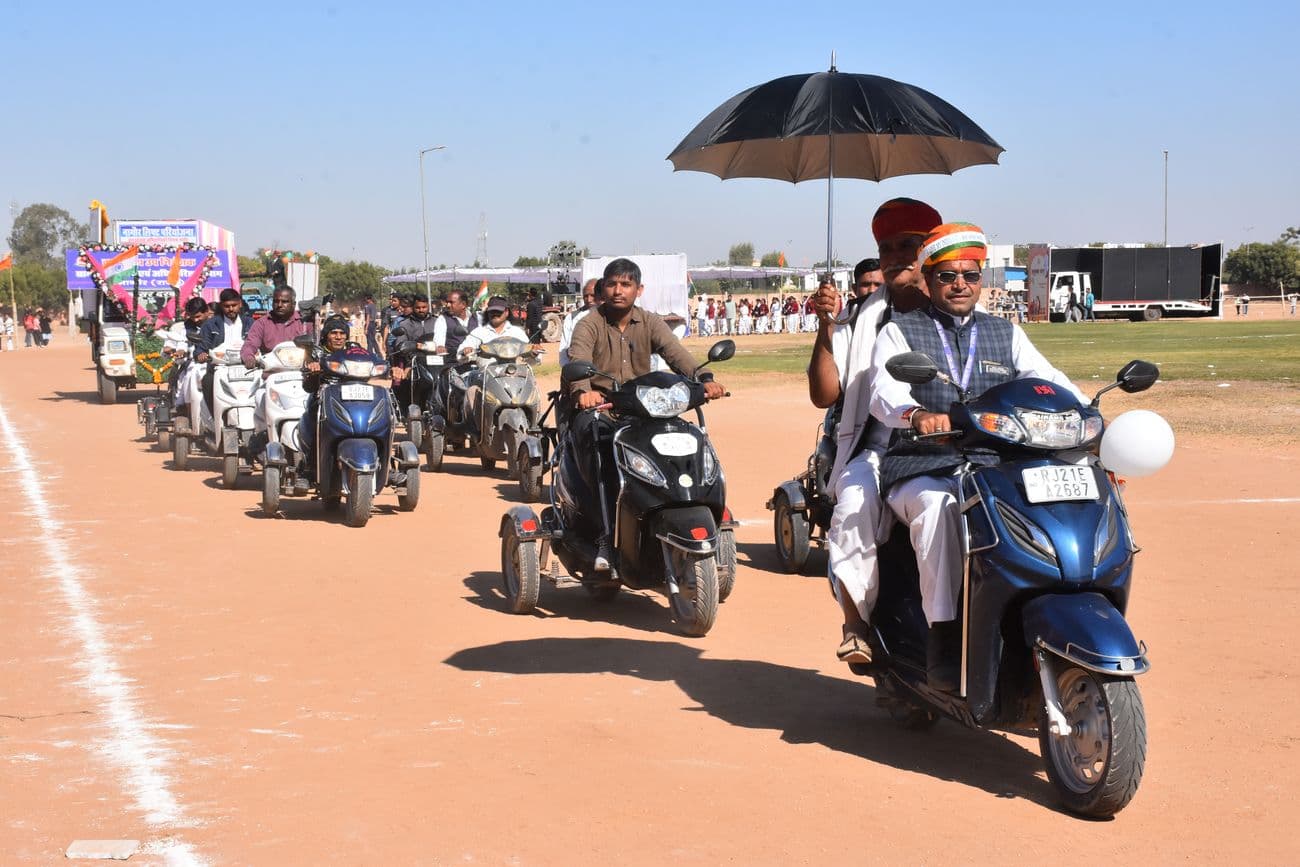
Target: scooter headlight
pixel 710 464
pixel 1058 430
pixel 665 402
pixel 640 466
pixel 290 357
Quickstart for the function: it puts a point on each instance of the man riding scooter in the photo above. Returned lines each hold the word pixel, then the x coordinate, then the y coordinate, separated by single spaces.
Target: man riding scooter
pixel 919 480
pixel 176 345
pixel 227 329
pixel 333 337
pixel 618 338
pixel 417 327
pixel 498 325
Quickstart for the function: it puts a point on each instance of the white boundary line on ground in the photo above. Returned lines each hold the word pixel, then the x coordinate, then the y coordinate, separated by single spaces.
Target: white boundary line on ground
pixel 130 746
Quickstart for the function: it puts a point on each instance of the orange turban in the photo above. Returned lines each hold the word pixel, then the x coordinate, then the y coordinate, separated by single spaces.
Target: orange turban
pixel 953 241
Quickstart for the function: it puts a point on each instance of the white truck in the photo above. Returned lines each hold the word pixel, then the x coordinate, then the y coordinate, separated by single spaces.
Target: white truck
pixel 1142 284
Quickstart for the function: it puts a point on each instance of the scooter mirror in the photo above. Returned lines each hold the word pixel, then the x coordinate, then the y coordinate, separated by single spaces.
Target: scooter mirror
pixel 722 350
pixel 914 368
pixel 304 341
pixel 576 370
pixel 1137 376
pixel 398 332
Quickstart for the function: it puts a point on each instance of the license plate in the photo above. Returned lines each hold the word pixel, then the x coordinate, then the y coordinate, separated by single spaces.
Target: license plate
pixel 433 360
pixel 358 392
pixel 1056 484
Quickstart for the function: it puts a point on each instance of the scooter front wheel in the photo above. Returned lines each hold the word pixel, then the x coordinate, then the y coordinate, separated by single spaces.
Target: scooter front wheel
pixel 230 472
pixel 1096 768
pixel 180 451
pixel 791 531
pixel 726 563
pixel 361 495
pixel 435 444
pixel 270 491
pixel 695 604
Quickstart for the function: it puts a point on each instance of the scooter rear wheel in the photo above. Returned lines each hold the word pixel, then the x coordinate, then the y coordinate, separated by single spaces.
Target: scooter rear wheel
pixel 1096 769
pixel 408 496
pixel 164 440
pixel 435 444
pixel 791 530
pixel 530 477
pixel 726 563
pixel 520 571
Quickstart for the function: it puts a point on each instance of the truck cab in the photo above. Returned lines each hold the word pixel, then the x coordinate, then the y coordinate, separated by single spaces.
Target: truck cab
pixel 1066 293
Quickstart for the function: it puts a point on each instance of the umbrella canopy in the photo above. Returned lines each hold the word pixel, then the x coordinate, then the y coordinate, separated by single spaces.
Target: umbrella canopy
pixel 834 124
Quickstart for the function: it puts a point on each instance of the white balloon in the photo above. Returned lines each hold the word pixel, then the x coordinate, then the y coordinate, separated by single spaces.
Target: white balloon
pixel 1136 444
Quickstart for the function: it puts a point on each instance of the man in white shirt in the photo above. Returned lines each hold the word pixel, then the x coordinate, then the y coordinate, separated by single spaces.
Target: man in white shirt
pixel 498 325
pixel 455 323
pixel 837 373
pixel 590 298
pixel 977 351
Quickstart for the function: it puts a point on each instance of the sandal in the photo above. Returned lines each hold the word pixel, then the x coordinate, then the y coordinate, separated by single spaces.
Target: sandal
pixel 854 648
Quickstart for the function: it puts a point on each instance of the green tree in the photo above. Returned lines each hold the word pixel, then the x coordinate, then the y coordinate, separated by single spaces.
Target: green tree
pixel 1291 235
pixel 741 254
pixel 250 266
pixel 1274 265
pixel 530 261
pixel 1020 255
pixel 349 281
pixel 42 232
pixel 771 260
pixel 35 285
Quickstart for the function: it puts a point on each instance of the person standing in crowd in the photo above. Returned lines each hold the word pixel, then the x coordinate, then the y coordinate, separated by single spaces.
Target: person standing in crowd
pixel 371 315
pixel 47 331
pixel 700 314
pixel 867 277
pixel 1294 298
pixel 1088 300
pixel 759 312
pixel 29 325
pixel 7 330
pixel 1245 305
pixel 533 316
pixel 590 297
pixel 745 320
pixel 729 310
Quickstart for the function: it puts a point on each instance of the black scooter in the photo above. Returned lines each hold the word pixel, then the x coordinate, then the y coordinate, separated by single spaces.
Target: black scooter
pixel 668 518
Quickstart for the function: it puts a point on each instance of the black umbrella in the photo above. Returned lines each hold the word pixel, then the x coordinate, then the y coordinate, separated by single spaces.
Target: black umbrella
pixel 833 124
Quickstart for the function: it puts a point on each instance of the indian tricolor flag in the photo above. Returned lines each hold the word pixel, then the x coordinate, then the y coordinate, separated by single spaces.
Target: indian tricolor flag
pixel 121 268
pixel 480 297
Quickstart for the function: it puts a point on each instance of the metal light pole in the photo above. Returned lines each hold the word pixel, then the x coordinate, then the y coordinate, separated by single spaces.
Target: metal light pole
pixel 1166 153
pixel 424 222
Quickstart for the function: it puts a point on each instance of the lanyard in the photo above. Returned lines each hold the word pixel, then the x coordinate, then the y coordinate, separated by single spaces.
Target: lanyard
pixel 962 380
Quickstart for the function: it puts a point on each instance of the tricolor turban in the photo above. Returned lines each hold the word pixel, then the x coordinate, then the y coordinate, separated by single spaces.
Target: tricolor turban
pixel 953 241
pixel 903 216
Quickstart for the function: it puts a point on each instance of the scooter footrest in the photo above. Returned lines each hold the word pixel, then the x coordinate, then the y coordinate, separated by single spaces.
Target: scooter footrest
pixel 564 580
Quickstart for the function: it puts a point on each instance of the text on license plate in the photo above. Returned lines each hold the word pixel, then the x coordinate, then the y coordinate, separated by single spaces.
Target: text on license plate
pixel 364 392
pixel 1054 484
pixel 433 360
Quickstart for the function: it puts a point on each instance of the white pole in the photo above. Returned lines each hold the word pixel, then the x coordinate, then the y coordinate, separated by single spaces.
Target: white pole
pixel 424 223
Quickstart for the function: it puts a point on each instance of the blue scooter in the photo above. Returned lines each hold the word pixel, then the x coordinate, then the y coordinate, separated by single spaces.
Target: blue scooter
pixel 355 451
pixel 1048 565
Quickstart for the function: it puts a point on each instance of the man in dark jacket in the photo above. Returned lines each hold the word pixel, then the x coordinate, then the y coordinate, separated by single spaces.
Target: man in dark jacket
pixel 226 329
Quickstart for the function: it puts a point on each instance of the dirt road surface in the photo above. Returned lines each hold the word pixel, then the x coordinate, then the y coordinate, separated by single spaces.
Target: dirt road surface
pixel 231 689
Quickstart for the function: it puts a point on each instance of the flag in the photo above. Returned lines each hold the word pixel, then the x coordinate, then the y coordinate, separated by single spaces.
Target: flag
pixel 174 275
pixel 120 268
pixel 480 297
pixel 780 260
pixel 7 262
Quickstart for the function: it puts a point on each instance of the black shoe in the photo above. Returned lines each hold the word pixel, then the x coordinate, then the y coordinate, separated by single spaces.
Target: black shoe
pixel 604 556
pixel 943 656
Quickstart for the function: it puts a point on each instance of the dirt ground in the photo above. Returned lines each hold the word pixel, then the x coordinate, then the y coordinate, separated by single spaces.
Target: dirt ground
pixel 231 689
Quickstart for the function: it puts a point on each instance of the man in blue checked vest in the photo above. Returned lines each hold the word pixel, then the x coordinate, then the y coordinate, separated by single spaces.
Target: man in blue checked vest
pixel 977 351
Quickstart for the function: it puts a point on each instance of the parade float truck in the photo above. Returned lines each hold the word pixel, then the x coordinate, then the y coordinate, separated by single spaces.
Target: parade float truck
pixel 135 284
pixel 1138 283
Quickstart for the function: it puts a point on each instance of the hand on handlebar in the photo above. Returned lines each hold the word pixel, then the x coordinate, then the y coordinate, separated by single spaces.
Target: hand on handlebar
pixel 715 391
pixel 399 373
pixel 590 400
pixel 930 422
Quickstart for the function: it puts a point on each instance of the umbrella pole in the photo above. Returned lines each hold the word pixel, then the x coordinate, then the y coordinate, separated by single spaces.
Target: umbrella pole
pixel 830 200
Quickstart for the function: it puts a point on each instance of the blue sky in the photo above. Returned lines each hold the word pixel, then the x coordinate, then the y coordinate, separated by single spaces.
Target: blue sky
pixel 298 124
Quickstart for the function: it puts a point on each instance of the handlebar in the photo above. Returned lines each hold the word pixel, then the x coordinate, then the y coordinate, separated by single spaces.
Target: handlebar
pixel 913 436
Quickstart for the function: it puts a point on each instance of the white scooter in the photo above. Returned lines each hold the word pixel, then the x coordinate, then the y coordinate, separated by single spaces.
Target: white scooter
pixel 186 426
pixel 229 426
pixel 281 401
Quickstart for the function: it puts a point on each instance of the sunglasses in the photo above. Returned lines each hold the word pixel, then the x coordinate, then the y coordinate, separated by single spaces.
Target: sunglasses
pixel 947 278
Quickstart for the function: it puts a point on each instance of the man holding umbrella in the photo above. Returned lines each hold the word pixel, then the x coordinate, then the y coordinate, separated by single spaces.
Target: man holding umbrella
pixel 837 373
